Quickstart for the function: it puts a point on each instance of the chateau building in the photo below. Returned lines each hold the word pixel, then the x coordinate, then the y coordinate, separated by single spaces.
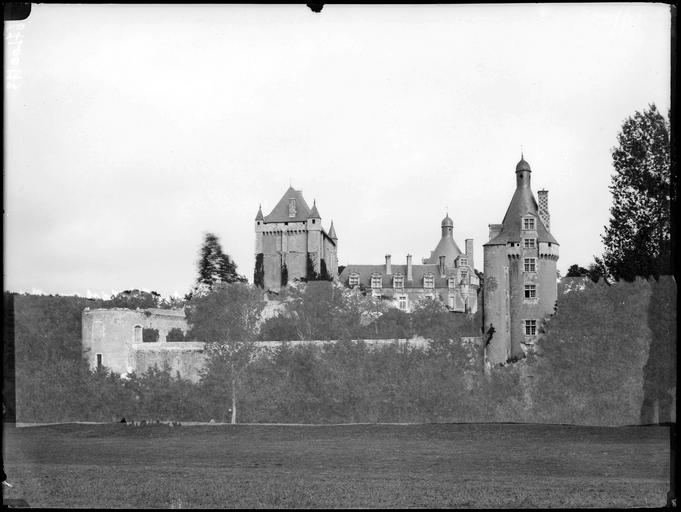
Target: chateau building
pixel 290 243
pixel 446 275
pixel 520 286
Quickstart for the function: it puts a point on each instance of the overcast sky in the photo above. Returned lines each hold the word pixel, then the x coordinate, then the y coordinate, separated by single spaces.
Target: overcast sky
pixel 133 130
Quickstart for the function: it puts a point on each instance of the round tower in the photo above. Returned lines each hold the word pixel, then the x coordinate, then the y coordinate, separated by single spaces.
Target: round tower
pixel 447 226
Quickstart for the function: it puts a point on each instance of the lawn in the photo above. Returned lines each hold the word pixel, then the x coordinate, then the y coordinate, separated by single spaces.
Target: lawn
pixel 434 465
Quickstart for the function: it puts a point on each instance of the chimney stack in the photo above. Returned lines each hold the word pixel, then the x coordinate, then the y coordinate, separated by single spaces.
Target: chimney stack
pixel 494 230
pixel 388 266
pixel 469 251
pixel 544 208
pixel 443 271
pixel 410 276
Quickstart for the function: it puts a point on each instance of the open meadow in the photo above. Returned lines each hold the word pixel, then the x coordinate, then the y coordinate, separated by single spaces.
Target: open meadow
pixel 431 465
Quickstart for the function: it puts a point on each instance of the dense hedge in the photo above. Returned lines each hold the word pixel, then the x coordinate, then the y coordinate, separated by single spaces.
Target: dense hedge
pixel 607 358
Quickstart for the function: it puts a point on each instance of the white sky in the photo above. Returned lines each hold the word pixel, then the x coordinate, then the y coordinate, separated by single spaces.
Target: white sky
pixel 135 129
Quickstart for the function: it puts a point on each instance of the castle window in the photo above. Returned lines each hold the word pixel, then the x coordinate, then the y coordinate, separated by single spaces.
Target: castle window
pixel 530 327
pixel 398 281
pixel 258 223
pixel 376 281
pixel 463 262
pixel 354 279
pixel 137 334
pixel 529 243
pixel 429 281
pixel 450 301
pixel 99 361
pixel 528 223
pixel 292 207
pixel 402 302
pixel 464 275
pixel 530 264
pixel 530 291
pixel 313 221
pixel 451 282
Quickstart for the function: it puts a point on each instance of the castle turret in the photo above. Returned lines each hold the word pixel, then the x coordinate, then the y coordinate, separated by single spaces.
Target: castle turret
pixel 520 287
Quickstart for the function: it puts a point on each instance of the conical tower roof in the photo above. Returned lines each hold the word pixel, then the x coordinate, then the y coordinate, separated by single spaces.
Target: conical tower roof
pixel 523 203
pixel 332 232
pixel 314 214
pixel 259 215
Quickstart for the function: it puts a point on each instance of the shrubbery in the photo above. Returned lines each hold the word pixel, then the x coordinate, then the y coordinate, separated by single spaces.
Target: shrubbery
pixel 607 358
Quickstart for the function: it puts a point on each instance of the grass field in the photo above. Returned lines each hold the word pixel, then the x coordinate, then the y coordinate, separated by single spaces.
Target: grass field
pixel 436 465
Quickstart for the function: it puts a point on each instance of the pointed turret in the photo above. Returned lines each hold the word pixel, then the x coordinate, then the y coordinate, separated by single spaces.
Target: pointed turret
pixel 314 214
pixel 332 233
pixel 259 216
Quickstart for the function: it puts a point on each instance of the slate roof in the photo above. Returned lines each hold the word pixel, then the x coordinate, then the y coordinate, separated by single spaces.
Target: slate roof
pixel 418 272
pixel 332 232
pixel 522 203
pixel 259 215
pixel 446 247
pixel 280 212
pixel 314 214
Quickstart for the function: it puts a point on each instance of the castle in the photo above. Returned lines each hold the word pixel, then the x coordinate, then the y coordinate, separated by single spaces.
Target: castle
pixel 518 289
pixel 447 275
pixel 290 243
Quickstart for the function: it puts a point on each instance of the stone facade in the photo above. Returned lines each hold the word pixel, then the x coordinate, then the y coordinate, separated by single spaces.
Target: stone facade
pixel 289 237
pixel 111 337
pixel 447 275
pixel 520 284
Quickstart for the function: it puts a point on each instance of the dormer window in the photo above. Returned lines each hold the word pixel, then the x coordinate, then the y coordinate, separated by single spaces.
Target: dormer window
pixel 376 281
pixel 292 207
pixel 463 262
pixel 429 281
pixel 530 264
pixel 528 224
pixel 451 282
pixel 398 281
pixel 354 279
pixel 529 243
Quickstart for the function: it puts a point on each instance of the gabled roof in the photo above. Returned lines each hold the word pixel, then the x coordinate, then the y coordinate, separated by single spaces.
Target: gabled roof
pixel 280 212
pixel 446 247
pixel 522 203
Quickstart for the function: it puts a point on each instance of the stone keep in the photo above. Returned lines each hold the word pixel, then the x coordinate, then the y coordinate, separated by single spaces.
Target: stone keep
pixel 520 283
pixel 287 237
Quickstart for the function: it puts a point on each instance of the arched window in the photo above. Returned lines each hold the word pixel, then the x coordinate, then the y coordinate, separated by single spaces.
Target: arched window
pixel 137 334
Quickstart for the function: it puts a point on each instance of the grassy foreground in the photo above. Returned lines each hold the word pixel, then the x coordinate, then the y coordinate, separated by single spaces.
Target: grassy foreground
pixel 435 465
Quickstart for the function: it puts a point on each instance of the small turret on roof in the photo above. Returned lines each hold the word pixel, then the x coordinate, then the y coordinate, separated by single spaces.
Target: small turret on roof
pixel 332 232
pixel 259 215
pixel 314 214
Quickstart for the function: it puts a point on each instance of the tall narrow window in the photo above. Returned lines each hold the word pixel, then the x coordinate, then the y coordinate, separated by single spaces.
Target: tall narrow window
pixel 402 302
pixel 376 281
pixel 353 280
pixel 464 275
pixel 398 281
pixel 530 264
pixel 137 334
pixel 292 207
pixel 428 281
pixel 451 282
pixel 99 361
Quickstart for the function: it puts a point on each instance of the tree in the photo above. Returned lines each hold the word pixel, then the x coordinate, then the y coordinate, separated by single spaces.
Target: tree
pixel 133 299
pixel 215 266
pixel 637 238
pixel 226 318
pixel 577 271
